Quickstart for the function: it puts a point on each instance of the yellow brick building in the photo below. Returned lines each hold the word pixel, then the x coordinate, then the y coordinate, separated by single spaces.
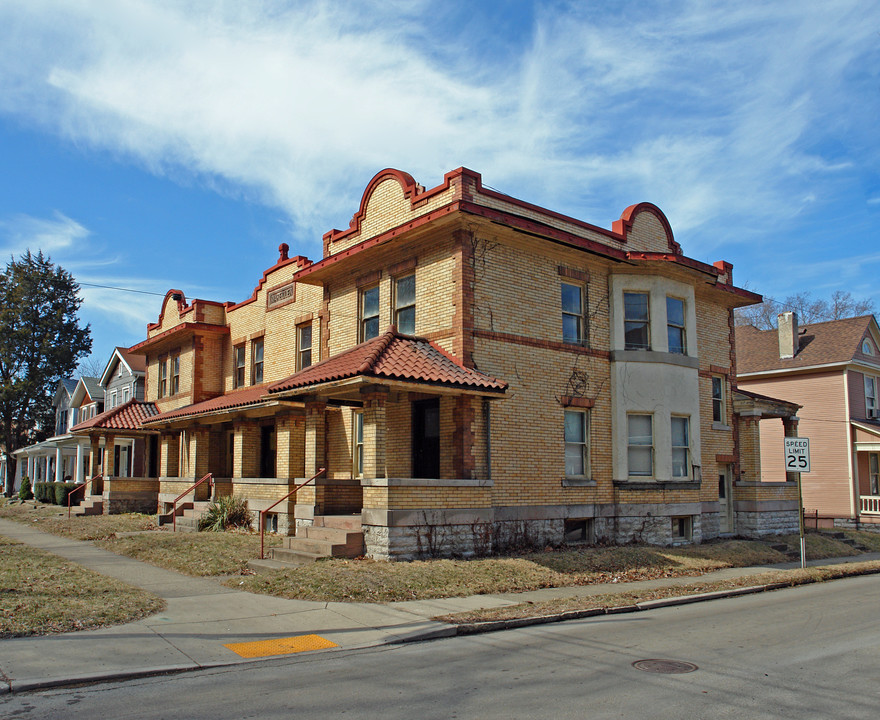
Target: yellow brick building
pixel 471 372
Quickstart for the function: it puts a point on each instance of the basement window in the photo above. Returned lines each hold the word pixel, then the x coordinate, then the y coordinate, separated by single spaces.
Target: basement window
pixel 578 530
pixel 682 528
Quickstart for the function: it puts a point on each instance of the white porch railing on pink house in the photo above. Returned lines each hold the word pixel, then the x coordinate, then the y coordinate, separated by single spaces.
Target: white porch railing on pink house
pixel 870 504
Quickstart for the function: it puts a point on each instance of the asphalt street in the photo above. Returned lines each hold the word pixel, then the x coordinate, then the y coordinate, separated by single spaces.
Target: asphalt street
pixel 807 652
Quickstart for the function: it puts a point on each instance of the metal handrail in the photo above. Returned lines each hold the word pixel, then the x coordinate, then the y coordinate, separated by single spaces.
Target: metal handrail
pixel 83 488
pixel 277 502
pixel 209 477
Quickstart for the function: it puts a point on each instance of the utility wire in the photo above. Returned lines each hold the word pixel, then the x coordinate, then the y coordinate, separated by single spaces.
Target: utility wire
pixel 111 287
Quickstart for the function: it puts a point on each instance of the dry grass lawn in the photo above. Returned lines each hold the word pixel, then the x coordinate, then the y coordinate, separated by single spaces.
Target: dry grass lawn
pixel 41 593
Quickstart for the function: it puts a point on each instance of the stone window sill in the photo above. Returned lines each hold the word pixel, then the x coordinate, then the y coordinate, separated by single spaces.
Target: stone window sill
pixel 720 426
pixel 578 482
pixel 657 484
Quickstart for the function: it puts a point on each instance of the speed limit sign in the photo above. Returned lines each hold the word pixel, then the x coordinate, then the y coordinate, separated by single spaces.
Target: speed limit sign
pixel 797 454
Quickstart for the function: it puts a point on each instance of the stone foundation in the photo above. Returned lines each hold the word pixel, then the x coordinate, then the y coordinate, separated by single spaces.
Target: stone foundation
pixel 756 524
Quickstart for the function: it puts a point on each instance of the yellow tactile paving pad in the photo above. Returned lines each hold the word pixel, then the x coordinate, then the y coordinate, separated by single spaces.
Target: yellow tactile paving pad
pixel 280 646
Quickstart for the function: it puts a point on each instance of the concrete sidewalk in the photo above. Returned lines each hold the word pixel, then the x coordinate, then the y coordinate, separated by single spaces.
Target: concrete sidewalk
pixel 202 617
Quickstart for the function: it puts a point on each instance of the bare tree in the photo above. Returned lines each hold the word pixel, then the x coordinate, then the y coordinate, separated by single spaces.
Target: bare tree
pixel 92 366
pixel 809 309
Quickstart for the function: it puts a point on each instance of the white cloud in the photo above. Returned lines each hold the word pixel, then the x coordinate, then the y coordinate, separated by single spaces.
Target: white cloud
pixel 23 232
pixel 713 111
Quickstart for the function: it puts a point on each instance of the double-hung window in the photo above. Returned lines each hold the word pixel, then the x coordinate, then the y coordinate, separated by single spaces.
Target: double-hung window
pixel 718 414
pixel 113 399
pixel 871 396
pixel 303 346
pixel 358 443
pixel 636 321
pixel 640 445
pixel 257 362
pixel 175 374
pixel 369 313
pixel 125 395
pixel 675 328
pixel 405 304
pixel 238 366
pixel 577 443
pixel 573 325
pixel 681 452
pixel 163 378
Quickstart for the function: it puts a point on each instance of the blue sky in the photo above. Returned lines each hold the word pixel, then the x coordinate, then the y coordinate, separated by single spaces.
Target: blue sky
pixel 152 144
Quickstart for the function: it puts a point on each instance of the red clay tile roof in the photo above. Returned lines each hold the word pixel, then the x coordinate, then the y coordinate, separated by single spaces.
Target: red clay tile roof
pixel 237 398
pixel 128 416
pixel 395 357
pixel 836 341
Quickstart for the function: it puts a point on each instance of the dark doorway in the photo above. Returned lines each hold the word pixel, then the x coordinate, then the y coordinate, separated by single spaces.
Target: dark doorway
pixel 426 438
pixel 153 462
pixel 267 451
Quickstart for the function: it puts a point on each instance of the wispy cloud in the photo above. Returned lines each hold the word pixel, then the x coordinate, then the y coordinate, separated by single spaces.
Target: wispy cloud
pixel 726 115
pixel 24 232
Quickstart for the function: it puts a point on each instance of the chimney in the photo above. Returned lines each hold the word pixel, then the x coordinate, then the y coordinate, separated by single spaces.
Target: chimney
pixel 787 325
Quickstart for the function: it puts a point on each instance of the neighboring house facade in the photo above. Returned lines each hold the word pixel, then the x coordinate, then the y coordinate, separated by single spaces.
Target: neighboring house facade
pixel 832 369
pixel 540 380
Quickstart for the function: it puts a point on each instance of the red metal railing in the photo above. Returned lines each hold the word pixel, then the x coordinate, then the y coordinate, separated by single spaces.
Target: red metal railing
pixel 209 477
pixel 292 492
pixel 83 488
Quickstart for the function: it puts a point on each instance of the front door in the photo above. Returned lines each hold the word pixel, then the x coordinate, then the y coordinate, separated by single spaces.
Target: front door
pixel 267 451
pixel 725 502
pixel 426 438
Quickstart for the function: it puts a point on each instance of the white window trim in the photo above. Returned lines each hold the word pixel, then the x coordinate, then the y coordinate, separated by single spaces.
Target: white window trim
pixel 585 443
pixel 629 445
pixel 687 448
pixel 357 443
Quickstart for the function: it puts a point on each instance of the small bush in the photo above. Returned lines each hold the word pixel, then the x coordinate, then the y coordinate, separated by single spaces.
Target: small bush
pixel 44 492
pixel 225 513
pixel 61 490
pixel 24 492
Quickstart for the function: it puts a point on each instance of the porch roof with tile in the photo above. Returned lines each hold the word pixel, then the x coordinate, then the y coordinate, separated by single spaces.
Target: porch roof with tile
pixel 128 417
pixel 394 357
pixel 250 396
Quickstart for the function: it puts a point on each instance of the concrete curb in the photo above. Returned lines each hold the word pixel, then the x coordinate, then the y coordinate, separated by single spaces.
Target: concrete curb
pixel 494 625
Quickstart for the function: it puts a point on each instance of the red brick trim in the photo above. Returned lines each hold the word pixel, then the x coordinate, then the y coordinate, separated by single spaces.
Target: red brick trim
pixel 463 299
pixel 463 464
pixel 580 402
pixel 370 278
pixel 718 370
pixel 580 275
pixel 303 319
pixel 628 216
pixel 439 335
pixel 401 267
pixel 257 335
pixel 324 317
pixel 546 344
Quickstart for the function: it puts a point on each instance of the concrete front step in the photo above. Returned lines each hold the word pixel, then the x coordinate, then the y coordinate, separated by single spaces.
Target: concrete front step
pixel 90 507
pixel 265 567
pixel 343 522
pixel 330 534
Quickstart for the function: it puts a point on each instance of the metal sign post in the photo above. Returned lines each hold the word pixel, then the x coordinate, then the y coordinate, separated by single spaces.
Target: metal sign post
pixel 797 461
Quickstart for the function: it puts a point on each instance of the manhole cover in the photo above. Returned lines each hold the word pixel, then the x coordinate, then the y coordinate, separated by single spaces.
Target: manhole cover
pixel 667 667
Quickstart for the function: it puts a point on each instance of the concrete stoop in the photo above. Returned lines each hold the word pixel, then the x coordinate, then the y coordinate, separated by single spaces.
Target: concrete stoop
pixel 330 536
pixel 188 514
pixel 92 505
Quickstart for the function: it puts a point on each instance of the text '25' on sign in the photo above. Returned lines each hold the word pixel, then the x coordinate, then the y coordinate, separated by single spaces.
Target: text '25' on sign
pixel 797 454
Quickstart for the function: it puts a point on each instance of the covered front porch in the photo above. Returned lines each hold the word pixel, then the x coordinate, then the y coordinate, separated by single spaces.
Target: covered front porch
pixel 866 444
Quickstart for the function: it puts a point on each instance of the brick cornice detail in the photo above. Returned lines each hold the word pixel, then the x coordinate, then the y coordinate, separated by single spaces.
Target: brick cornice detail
pixel 573 274
pixel 545 344
pixel 579 402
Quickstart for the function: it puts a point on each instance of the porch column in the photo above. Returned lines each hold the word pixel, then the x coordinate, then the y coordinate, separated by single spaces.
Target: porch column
pixel 59 465
pixel 790 429
pixel 463 415
pixel 109 455
pixel 169 454
pixel 30 469
pixel 374 431
pixel 48 474
pixel 79 472
pixel 290 437
pixel 94 455
pixel 246 450
pixel 200 453
pixel 314 437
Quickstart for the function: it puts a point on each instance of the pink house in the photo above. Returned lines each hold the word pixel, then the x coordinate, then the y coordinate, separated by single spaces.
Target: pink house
pixel 831 369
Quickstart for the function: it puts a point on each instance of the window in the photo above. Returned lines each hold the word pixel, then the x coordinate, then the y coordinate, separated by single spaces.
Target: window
pixel 112 398
pixel 369 324
pixel 577 449
pixel 238 366
pixel 636 325
pixel 358 440
pixel 640 450
pixel 175 374
pixel 126 395
pixel 870 396
pixel 680 427
pixel 405 304
pixel 303 346
pixel 867 348
pixel 257 362
pixel 573 322
pixel 874 472
pixel 163 378
pixel 675 330
pixel 682 528
pixel 718 414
